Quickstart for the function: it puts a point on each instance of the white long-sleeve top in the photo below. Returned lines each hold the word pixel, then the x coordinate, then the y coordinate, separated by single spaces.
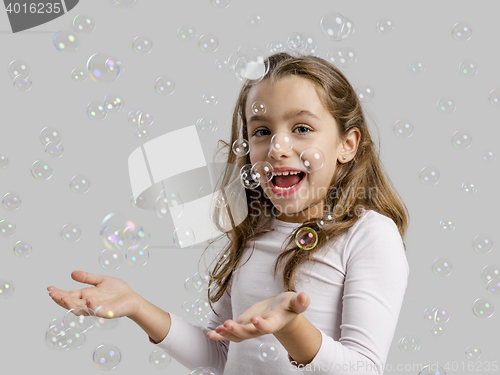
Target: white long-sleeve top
pixel 356 290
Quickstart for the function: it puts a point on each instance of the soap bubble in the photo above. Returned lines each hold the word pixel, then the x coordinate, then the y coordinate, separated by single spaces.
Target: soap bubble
pixel 263 171
pixel 365 93
pixel 103 68
pixel 385 26
pixel 142 45
pixel 113 103
pixel 50 134
pixel 483 308
pixel 416 67
pixel 461 31
pixel 54 150
pixel 221 4
pixel 403 128
pixel 295 42
pixel 275 47
pixel 221 64
pixel 79 184
pixel 490 272
pixel 96 111
pixel 268 352
pixel 4 161
pixel 137 257
pixel 164 86
pixel 41 170
pixel 312 159
pixel 461 139
pixel 472 352
pixel 184 238
pixel 437 330
pixel 206 125
pixel 258 108
pixel 467 68
pixel 494 97
pixel 241 147
pixel 482 244
pixel 105 318
pixel 442 267
pixel 107 357
pixel 18 68
pixel 306 238
pixel 22 249
pixel 336 26
pixel 159 359
pixel 248 177
pixel 254 20
pixel 493 287
pixel 210 99
pixel 84 24
pixel 22 84
pixel 80 318
pixel 71 233
pixel 110 259
pixel 342 56
pixel 429 176
pixel 186 33
pixel 7 288
pixel 281 143
pixel 7 229
pixel 66 41
pixel 409 344
pixel 11 201
pixel 141 134
pixel 447 225
pixel 208 43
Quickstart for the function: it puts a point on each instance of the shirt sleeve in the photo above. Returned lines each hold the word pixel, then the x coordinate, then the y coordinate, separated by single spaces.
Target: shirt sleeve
pixel 376 278
pixel 189 345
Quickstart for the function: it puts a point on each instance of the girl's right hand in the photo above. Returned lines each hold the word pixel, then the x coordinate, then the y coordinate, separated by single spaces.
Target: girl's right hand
pixel 112 292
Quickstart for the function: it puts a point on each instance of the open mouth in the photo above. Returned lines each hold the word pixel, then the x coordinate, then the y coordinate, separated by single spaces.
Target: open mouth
pixel 287 182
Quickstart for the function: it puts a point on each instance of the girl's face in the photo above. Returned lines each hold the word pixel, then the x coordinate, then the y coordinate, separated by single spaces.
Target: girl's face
pixel 293 107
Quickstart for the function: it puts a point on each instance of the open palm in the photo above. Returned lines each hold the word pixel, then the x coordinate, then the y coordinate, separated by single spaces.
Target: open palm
pixel 107 291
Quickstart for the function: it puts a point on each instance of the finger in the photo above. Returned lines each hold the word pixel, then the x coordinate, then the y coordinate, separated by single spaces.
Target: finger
pixel 87 278
pixel 300 302
pixel 64 293
pixel 223 334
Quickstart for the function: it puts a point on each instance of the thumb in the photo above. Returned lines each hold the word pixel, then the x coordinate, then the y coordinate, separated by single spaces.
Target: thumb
pixel 301 302
pixel 87 278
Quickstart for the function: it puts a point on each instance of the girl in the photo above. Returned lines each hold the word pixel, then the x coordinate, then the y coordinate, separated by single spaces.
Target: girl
pixel 352 281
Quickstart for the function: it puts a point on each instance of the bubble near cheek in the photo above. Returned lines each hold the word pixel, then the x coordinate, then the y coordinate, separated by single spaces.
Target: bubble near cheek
pixel 241 147
pixel 312 159
pixel 248 177
pixel 263 171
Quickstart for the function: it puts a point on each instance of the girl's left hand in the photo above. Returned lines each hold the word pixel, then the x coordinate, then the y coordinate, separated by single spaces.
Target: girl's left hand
pixel 264 317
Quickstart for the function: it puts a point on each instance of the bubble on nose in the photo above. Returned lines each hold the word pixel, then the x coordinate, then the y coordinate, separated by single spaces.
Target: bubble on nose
pixel 263 171
pixel 281 143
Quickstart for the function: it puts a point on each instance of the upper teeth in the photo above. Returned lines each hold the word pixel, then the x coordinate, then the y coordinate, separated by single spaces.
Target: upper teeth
pixel 285 173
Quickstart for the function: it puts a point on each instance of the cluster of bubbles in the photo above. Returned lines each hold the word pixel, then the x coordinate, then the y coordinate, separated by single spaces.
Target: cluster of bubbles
pixel 68 40
pixel 12 201
pixel 199 309
pixel 104 68
pixel 490 275
pixel 51 139
pixel 141 121
pixel 123 238
pixel 206 42
pixel 20 72
pixel 437 317
pixel 99 109
pixel 68 332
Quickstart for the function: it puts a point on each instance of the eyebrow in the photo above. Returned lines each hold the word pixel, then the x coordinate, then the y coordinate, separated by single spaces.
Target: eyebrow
pixel 289 115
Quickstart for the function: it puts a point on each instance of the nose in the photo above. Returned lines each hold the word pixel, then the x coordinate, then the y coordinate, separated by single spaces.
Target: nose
pixel 281 144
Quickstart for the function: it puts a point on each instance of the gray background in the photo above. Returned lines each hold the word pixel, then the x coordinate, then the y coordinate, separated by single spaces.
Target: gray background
pixel 99 149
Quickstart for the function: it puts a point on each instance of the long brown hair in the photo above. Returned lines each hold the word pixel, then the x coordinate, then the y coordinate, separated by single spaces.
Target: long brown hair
pixel 343 201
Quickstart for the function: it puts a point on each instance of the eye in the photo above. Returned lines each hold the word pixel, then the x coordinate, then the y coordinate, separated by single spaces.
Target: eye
pixel 303 127
pixel 259 130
